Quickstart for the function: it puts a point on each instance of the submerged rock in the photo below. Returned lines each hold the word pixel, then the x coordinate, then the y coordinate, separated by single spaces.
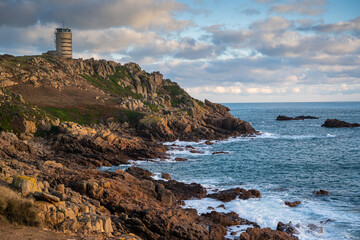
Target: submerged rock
pixel 335 123
pixel 220 152
pixel 322 192
pixel 287 227
pixel 292 204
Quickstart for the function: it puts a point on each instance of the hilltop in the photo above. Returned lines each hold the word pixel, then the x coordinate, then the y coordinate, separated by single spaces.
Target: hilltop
pixel 100 91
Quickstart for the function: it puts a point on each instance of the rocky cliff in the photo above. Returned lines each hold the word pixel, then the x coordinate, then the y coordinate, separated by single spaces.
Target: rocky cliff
pixel 100 91
pixel 62 119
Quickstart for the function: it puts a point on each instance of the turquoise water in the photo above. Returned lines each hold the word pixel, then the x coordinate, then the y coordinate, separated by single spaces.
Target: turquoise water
pixel 288 162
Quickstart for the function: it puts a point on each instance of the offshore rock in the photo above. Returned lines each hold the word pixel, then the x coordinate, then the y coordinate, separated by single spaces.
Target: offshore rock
pixel 292 204
pixel 322 192
pixel 335 123
pixel 285 118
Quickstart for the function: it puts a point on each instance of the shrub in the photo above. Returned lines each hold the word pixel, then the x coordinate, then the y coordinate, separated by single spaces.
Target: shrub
pixel 16 208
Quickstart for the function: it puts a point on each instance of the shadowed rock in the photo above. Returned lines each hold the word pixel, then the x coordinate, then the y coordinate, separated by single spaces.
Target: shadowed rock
pixel 265 233
pixel 322 192
pixel 231 194
pixel 292 204
pixel 335 123
pixel 285 118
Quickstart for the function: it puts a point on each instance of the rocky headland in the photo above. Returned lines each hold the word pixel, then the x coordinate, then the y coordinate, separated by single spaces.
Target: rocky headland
pixel 62 119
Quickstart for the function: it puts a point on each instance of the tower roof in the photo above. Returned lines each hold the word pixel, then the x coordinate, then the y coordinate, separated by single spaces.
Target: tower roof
pixel 63 30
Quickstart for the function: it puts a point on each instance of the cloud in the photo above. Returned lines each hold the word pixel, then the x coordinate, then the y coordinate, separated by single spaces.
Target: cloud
pixel 340 27
pixel 273 24
pixel 250 11
pixel 219 35
pixel 30 40
pixel 304 7
pixel 94 14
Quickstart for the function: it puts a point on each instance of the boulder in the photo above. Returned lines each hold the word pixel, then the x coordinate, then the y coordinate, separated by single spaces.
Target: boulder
pixel 183 191
pixel 25 184
pixel 166 176
pixel 265 233
pixel 292 204
pixel 231 194
pixel 217 232
pixel 322 192
pixel 23 125
pixel 225 219
pixel 53 164
pixel 46 197
pixel 288 228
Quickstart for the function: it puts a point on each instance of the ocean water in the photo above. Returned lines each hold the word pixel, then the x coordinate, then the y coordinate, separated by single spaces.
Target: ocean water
pixel 289 161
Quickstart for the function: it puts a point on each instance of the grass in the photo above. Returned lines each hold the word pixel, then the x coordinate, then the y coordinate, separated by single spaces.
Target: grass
pixel 81 116
pixel 92 115
pixel 16 208
pixel 12 107
pixel 174 90
pixel 113 83
pixel 177 94
pixel 132 116
pixel 152 107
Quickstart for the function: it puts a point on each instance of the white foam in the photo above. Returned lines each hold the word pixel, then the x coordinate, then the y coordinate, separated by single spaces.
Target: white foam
pixel 269 210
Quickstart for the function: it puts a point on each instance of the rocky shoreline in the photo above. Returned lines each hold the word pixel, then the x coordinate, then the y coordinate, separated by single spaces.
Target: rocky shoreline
pixel 62 120
pixel 72 196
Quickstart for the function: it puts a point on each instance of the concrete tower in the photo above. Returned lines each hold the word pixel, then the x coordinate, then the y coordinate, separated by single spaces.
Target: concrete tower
pixel 63 42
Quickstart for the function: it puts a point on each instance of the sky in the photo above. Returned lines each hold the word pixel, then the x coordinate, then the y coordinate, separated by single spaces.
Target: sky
pixel 221 50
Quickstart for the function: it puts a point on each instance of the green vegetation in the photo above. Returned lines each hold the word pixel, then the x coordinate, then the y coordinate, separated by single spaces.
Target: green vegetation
pixel 12 106
pixel 112 84
pixel 16 208
pixel 174 90
pixel 177 94
pixel 81 116
pixel 92 115
pixel 152 107
pixel 130 116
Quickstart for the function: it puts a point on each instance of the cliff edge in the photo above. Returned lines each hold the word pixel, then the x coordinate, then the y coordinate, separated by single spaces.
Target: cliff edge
pixel 99 91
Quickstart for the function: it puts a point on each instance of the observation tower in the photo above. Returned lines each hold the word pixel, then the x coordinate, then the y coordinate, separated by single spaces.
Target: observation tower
pixel 63 42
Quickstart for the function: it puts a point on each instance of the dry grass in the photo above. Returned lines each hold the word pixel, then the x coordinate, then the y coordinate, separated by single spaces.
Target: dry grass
pixel 16 208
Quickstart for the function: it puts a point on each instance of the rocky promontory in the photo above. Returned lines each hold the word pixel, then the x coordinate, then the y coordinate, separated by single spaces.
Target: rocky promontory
pixel 63 119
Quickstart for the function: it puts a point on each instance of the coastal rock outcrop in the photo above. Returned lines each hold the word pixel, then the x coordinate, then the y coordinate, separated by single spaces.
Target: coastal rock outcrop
pixel 62 120
pixel 335 123
pixel 285 118
pixel 231 194
pixel 265 233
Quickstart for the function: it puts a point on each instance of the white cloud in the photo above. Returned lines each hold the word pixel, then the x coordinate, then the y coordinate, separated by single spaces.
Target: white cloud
pixel 305 7
pixel 94 14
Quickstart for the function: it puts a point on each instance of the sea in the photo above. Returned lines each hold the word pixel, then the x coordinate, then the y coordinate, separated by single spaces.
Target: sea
pixel 289 161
